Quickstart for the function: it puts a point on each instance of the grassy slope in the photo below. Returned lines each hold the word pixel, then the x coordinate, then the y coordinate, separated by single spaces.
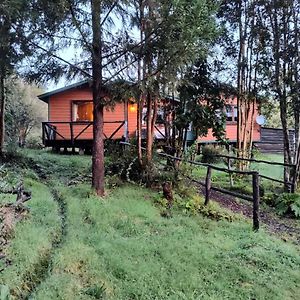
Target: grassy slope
pixel 33 237
pixel 123 246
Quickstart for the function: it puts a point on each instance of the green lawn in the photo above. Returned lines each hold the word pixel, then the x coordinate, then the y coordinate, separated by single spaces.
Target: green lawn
pixel 121 248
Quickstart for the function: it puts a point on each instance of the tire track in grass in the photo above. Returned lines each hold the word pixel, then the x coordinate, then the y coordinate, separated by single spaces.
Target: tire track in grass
pixel 45 266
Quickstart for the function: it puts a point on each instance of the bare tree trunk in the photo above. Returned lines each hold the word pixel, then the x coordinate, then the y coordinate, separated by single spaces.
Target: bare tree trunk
pixel 2 109
pixel 140 100
pixel 98 138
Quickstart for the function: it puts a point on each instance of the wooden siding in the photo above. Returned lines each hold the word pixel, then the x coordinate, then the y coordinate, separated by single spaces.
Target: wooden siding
pixel 272 140
pixel 60 110
pixel 231 128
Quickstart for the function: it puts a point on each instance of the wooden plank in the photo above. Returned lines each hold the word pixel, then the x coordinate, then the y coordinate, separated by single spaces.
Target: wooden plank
pixel 82 131
pixel 112 135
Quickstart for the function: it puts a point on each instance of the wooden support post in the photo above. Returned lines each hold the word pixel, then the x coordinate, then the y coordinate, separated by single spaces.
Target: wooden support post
pixel 207 185
pixel 230 174
pixel 256 198
pixel 43 133
pixel 72 133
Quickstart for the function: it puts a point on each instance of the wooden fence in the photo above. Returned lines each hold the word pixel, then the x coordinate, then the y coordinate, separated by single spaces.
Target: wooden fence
pixel 260 161
pixel 255 198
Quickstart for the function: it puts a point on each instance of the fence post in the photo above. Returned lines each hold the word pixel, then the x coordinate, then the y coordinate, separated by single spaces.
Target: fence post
pixel 256 198
pixel 230 174
pixel 207 185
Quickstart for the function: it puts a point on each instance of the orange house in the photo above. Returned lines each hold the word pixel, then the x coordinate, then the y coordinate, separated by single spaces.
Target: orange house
pixel 70 116
pixel 231 124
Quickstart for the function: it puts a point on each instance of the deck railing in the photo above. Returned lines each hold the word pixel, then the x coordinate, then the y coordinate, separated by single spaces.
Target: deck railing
pixel 52 131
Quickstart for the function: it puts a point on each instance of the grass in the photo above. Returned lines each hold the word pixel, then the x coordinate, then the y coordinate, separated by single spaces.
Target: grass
pixel 33 238
pixel 121 248
pixel 244 184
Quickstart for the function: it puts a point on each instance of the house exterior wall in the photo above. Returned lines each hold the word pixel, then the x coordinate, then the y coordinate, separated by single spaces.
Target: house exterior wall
pixel 60 110
pixel 231 127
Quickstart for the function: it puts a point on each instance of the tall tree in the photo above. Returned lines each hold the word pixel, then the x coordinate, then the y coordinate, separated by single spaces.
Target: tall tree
pixel 172 35
pixel 279 33
pixel 241 43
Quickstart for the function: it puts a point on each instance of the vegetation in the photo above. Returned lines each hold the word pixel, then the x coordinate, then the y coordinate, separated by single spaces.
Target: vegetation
pixel 121 247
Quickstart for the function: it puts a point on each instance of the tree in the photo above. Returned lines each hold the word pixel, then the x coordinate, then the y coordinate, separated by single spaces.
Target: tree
pixel 23 111
pixel 279 23
pixel 172 35
pixel 201 105
pixel 240 21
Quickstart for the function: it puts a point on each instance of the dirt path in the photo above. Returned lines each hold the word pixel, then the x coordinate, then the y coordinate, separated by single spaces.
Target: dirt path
pixel 44 272
pixel 285 228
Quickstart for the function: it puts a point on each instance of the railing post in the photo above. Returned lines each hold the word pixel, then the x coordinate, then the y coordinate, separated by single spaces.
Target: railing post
pixel 43 133
pixel 230 174
pixel 207 185
pixel 256 199
pixel 71 133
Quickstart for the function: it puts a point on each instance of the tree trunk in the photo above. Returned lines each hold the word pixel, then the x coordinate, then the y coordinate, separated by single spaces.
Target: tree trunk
pixel 149 141
pixel 98 141
pixel 2 108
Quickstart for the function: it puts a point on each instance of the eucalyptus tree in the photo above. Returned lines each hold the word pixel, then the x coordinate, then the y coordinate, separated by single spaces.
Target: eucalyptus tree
pixel 172 35
pixel 241 42
pixel 279 35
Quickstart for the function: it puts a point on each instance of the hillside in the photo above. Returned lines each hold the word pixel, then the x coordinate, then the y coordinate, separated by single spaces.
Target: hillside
pixel 73 245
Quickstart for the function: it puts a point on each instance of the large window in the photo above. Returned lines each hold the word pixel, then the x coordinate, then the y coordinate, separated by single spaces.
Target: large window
pixel 82 111
pixel 231 113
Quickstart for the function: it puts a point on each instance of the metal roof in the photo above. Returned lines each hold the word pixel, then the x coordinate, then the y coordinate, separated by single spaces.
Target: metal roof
pixel 45 97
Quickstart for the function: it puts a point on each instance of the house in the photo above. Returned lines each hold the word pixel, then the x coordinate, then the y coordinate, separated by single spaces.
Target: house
pixel 70 116
pixel 231 124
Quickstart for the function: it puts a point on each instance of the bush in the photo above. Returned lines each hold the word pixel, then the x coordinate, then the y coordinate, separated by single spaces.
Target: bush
pixel 34 142
pixel 288 204
pixel 209 154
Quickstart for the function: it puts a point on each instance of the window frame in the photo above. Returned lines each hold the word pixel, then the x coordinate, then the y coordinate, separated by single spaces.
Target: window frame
pixel 232 121
pixel 73 102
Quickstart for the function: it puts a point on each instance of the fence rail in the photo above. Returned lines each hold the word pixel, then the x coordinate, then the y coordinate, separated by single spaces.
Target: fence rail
pixel 255 199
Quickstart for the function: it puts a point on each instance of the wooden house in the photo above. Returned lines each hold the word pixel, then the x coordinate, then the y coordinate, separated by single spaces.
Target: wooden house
pixel 231 124
pixel 70 116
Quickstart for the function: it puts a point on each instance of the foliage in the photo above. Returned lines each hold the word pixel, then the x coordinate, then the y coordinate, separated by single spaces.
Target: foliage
pixel 201 102
pixel 209 153
pixel 286 203
pixel 121 248
pixel 23 111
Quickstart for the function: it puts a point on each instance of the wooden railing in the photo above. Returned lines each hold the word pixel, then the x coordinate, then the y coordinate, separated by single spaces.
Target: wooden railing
pixel 255 198
pixel 51 132
pixel 260 161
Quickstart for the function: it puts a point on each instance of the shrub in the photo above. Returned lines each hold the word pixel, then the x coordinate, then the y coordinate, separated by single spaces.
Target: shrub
pixel 288 204
pixel 209 154
pixel 34 142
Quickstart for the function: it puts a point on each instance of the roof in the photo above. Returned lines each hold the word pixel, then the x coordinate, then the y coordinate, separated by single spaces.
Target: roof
pixel 45 97
pixel 85 83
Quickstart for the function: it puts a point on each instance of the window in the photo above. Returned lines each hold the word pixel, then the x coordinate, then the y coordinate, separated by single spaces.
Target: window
pixel 82 111
pixel 160 119
pixel 231 113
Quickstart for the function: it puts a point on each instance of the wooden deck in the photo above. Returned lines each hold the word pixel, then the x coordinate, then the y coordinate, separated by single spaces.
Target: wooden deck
pixel 78 134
